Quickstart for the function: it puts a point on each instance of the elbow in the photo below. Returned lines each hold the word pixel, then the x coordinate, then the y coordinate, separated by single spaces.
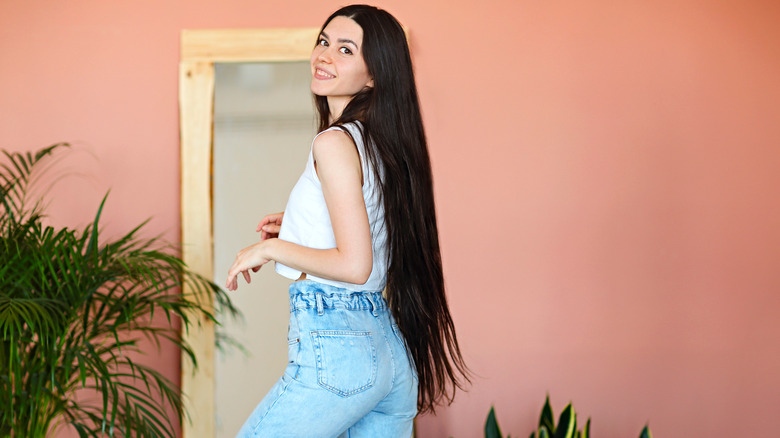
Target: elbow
pixel 359 270
pixel 360 274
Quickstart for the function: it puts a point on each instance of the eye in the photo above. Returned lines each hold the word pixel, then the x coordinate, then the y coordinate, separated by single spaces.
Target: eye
pixel 345 50
pixel 322 42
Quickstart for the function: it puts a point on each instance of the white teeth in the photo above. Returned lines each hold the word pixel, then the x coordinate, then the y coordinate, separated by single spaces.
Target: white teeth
pixel 324 73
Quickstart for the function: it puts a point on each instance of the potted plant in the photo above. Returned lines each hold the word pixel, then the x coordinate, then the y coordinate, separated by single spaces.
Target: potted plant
pixel 73 310
pixel 566 427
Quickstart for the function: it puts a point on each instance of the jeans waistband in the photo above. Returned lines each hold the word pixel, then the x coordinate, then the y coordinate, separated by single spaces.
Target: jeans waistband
pixel 306 294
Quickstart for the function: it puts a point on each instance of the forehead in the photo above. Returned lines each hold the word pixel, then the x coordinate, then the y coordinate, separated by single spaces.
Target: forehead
pixel 341 27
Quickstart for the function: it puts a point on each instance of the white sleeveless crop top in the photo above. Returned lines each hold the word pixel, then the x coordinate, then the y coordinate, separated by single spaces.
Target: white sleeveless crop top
pixel 307 220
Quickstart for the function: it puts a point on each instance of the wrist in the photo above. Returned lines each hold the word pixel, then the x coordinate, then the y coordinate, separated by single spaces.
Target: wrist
pixel 269 248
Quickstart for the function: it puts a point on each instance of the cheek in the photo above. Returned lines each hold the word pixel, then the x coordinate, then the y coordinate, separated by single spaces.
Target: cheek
pixel 367 79
pixel 359 74
pixel 364 73
pixel 359 80
pixel 315 54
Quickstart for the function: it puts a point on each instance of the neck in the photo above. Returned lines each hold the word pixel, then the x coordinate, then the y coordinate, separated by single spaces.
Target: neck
pixel 336 105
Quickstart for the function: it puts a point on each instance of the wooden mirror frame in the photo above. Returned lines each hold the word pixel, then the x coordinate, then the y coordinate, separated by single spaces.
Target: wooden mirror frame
pixel 200 49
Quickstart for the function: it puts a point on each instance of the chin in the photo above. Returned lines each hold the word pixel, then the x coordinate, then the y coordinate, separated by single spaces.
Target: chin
pixel 318 90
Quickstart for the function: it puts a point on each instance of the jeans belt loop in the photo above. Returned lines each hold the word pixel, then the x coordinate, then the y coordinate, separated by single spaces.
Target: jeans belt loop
pixel 320 307
pixel 373 304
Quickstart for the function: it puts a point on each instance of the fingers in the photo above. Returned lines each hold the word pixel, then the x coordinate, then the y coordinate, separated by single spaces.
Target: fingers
pixel 269 231
pixel 272 228
pixel 231 283
pixel 249 258
pixel 275 219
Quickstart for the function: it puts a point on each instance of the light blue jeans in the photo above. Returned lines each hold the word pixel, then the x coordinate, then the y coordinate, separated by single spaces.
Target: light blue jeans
pixel 348 374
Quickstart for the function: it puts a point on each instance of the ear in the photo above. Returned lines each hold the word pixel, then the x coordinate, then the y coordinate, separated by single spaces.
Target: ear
pixel 370 83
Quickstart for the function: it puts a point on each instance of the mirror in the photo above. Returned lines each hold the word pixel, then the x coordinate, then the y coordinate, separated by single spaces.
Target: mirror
pixel 263 128
pixel 200 51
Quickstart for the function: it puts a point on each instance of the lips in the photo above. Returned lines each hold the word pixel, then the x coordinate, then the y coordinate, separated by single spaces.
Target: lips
pixel 322 74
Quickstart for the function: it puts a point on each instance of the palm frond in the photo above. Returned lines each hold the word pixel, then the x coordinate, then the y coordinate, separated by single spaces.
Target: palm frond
pixel 74 310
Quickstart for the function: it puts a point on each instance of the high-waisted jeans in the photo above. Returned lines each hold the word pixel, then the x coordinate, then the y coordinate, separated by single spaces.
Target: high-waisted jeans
pixel 348 374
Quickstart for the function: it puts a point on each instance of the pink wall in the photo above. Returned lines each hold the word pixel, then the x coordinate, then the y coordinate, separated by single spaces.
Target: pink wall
pixel 606 174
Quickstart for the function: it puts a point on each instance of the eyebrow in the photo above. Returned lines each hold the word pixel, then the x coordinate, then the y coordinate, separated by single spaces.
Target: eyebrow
pixel 342 40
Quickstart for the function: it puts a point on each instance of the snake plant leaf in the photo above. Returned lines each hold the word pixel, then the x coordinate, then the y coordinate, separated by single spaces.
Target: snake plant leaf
pixel 566 423
pixel 586 431
pixel 491 425
pixel 543 433
pixel 533 434
pixel 574 427
pixel 546 418
pixel 646 433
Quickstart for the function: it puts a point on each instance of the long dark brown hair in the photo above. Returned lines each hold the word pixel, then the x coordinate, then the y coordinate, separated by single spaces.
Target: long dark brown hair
pixel 392 129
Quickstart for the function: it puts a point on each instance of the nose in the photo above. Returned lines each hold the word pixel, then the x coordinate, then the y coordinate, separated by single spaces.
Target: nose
pixel 325 55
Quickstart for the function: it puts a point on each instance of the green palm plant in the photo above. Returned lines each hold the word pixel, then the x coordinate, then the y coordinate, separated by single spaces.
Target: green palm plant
pixel 74 311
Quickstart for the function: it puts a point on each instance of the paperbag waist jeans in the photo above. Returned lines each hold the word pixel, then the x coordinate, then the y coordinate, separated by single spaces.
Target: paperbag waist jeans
pixel 348 374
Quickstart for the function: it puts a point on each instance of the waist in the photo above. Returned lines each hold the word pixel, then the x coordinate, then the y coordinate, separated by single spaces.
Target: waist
pixel 311 294
pixel 376 282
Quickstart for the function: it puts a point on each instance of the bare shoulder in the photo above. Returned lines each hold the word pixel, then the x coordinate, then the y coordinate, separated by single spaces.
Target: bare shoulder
pixel 335 138
pixel 334 144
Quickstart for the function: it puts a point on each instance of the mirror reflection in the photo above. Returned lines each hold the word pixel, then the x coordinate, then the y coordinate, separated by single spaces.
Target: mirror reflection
pixel 263 127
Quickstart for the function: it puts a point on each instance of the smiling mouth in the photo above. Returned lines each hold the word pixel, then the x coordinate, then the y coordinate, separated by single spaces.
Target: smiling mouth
pixel 322 74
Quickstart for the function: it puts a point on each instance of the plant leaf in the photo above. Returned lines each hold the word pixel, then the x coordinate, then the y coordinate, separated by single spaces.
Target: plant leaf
pixel 566 423
pixel 73 307
pixel 491 425
pixel 546 419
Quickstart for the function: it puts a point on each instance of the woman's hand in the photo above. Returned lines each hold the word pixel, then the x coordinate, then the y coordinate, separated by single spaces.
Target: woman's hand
pixel 270 225
pixel 340 173
pixel 252 257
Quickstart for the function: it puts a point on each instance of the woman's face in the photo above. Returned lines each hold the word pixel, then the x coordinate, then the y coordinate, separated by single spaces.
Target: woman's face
pixel 337 65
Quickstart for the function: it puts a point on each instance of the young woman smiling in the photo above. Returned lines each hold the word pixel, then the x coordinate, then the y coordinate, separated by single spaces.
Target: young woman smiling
pixel 361 220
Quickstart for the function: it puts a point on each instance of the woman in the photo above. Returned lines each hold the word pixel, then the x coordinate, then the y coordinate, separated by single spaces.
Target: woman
pixel 360 220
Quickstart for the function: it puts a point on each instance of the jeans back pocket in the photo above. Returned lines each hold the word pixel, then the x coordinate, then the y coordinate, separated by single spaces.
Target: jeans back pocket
pixel 346 360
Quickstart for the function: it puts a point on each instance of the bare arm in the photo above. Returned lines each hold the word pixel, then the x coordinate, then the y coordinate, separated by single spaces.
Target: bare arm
pixel 340 174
